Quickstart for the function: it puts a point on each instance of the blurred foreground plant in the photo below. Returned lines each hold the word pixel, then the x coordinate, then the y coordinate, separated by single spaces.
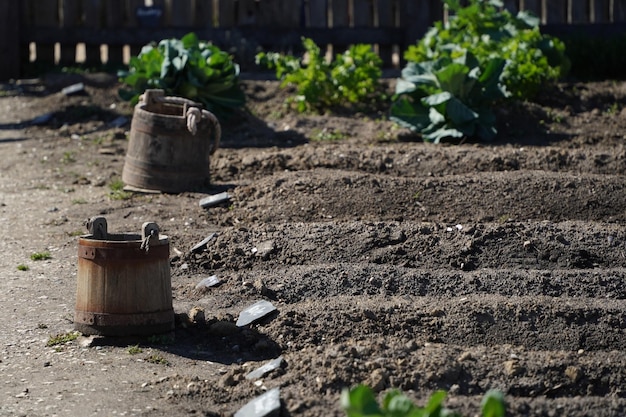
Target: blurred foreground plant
pixel 361 402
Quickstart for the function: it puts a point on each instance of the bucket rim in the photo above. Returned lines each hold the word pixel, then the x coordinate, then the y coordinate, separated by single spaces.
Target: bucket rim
pixel 120 239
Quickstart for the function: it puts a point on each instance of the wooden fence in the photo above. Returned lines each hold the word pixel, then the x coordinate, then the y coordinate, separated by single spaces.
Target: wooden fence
pixel 67 32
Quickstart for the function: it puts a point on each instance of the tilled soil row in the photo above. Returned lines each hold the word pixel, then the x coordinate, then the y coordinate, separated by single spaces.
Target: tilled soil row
pixel 373 286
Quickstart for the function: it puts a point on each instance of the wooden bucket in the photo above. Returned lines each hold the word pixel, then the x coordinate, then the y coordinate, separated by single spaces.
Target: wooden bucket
pixel 171 140
pixel 124 284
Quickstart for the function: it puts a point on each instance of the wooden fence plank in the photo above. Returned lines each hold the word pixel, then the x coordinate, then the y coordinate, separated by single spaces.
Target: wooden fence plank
pixel 533 6
pixel 93 19
pixel 115 17
pixel 600 11
pixel 10 39
pixel 204 14
pixel 339 12
pixel 179 13
pixel 556 11
pixel 46 14
pixel 385 10
pixel 363 13
pixel 278 13
pixel 226 13
pixel 318 14
pixel 131 7
pixel 70 17
pixel 578 11
pixel 512 6
pixel 619 11
pixel 247 13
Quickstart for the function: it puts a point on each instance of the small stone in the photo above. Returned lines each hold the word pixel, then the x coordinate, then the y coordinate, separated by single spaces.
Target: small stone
pixel 42 120
pixel 369 314
pixel 513 368
pixel 196 315
pixel 377 379
pixel 74 89
pixel 214 200
pixel 574 373
pixel 266 405
pixel 228 380
pixel 465 356
pixel 266 368
pixel 255 312
pixel 202 244
pixel 265 249
pixel 119 121
pixel 208 282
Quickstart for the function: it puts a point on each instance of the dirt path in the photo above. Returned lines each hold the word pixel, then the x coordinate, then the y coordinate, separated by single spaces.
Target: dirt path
pixel 392 263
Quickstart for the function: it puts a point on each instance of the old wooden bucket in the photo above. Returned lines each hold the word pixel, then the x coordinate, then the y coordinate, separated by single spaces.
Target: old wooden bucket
pixel 171 140
pixel 123 284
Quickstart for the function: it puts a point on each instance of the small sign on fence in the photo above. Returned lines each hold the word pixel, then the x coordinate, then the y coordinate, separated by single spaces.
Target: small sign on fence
pixel 149 16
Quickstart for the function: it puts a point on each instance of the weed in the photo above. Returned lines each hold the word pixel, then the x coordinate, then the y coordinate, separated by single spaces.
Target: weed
pixel 613 109
pixel 157 359
pixel 61 339
pixel 68 158
pixel 41 256
pixel 160 339
pixel 134 350
pixel 117 190
pixel 22 267
pixel 79 201
pixel 503 219
pixel 328 135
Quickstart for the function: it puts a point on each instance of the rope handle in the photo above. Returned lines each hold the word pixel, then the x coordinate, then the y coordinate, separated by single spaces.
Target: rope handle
pixel 193 112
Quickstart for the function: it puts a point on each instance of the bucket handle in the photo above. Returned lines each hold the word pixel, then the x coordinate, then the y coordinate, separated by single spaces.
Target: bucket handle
pixel 97 227
pixel 193 112
pixel 149 231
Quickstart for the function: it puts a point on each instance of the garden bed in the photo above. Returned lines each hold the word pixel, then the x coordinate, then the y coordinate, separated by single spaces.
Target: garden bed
pixel 391 262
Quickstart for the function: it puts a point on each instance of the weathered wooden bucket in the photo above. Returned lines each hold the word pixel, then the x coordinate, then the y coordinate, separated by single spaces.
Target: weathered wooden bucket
pixel 171 140
pixel 124 284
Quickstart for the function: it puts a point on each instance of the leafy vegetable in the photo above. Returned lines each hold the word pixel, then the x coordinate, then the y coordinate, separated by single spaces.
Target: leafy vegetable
pixel 186 67
pixel 488 30
pixel 350 79
pixel 361 402
pixel 449 98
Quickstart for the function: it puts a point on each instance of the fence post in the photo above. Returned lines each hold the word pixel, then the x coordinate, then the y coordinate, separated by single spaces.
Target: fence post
pixel 10 39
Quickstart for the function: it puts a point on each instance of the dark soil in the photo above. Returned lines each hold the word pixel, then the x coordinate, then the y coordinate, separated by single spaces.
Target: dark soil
pixel 391 262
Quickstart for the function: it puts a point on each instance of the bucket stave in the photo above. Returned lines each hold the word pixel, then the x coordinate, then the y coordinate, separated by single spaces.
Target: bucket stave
pixel 123 282
pixel 171 140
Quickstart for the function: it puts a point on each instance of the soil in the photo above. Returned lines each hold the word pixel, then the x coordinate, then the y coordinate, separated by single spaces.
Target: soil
pixel 394 263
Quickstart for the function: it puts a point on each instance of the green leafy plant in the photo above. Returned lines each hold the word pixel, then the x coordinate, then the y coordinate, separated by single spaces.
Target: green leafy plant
pixel 157 359
pixel 361 402
pixel 351 79
pixel 117 190
pixel 134 350
pixel 449 98
pixel 186 67
pixel 40 256
pixel 61 339
pixel 22 267
pixel 488 30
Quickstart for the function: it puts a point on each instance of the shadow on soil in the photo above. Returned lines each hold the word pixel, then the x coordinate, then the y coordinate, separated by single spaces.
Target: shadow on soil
pixel 220 341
